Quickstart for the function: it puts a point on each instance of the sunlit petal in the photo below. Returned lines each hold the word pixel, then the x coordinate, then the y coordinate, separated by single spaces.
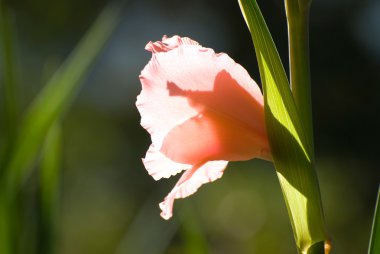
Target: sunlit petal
pixel 189 183
pixel 202 110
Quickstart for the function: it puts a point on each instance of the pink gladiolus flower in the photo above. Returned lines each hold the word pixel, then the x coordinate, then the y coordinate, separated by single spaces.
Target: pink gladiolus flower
pixel 202 110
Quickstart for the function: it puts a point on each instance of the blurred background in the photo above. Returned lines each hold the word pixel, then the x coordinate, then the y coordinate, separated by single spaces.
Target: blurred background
pixel 105 202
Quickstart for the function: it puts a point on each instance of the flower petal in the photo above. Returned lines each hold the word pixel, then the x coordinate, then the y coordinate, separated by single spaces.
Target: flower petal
pixel 168 44
pixel 190 181
pixel 211 136
pixel 159 166
pixel 218 132
pixel 184 80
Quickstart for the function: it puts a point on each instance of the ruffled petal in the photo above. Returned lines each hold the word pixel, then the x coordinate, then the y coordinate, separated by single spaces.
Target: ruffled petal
pixel 184 81
pixel 168 44
pixel 159 166
pixel 189 183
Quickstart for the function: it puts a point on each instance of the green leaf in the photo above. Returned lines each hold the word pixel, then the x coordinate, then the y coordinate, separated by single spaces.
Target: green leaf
pixel 291 148
pixel 52 102
pixel 374 243
pixel 48 107
pixel 49 189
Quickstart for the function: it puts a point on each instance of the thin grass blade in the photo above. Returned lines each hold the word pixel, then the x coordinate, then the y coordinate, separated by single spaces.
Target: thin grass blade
pixel 55 98
pixel 48 107
pixel 49 183
pixel 374 243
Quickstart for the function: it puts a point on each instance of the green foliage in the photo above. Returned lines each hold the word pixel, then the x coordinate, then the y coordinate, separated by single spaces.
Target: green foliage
pixel 292 149
pixel 52 102
pixel 23 148
pixel 374 245
pixel 49 182
pixel 297 13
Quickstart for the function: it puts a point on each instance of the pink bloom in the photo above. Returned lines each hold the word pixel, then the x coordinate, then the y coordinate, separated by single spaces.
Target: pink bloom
pixel 202 110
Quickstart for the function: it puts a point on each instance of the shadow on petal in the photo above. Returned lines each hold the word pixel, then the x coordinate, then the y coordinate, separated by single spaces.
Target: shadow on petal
pixel 229 125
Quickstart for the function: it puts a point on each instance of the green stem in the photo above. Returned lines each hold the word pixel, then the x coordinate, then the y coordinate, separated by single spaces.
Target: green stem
pixel 299 62
pixel 291 144
pixel 297 13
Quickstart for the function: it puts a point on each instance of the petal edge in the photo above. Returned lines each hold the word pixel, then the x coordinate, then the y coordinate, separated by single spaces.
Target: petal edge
pixel 190 182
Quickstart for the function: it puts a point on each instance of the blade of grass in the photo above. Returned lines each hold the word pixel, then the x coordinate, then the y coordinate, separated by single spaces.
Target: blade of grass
pixel 49 189
pixel 292 150
pixel 374 243
pixel 52 102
